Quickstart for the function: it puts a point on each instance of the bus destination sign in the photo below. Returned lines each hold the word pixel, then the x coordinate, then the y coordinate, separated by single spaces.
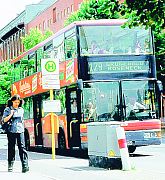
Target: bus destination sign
pixel 118 67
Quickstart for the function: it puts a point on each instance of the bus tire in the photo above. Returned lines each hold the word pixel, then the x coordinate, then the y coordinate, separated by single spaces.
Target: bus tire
pixel 131 149
pixel 61 140
pixel 27 140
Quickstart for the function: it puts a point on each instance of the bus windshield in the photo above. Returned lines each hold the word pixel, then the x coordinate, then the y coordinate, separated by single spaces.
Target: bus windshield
pixel 119 100
pixel 99 40
pixel 139 100
pixel 100 100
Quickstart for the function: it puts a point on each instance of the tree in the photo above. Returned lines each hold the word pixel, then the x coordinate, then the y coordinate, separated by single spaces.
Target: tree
pixel 149 13
pixel 34 37
pixel 96 9
pixel 5 81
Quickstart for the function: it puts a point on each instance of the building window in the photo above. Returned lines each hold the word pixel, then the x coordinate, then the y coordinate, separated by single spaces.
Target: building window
pixel 64 12
pixel 61 15
pixel 44 25
pixel 72 7
pixel 50 21
pixel 40 27
pixel 79 5
pixel 68 10
pixel 58 16
pixel 54 15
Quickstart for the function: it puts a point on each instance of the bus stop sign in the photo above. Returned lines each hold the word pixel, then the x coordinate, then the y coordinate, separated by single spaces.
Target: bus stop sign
pixel 50 73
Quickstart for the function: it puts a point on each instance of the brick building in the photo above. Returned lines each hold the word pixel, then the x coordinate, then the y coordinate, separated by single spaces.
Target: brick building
pixel 47 14
pixel 54 16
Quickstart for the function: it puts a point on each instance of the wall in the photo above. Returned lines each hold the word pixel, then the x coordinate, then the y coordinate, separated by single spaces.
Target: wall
pixel 53 18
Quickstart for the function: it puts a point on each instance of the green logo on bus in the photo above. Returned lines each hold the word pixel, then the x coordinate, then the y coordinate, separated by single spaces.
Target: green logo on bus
pixel 50 66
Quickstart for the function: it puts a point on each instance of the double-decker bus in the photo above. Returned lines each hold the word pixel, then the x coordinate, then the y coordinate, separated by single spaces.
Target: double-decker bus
pixel 107 73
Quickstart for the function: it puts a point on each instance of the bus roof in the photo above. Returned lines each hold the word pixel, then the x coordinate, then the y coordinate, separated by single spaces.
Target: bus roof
pixel 100 22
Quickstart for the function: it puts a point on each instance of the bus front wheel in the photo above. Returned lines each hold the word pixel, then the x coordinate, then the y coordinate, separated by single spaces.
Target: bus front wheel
pixel 131 149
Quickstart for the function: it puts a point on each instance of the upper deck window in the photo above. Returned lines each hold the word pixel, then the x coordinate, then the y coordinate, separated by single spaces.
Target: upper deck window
pixel 58 48
pixel 115 40
pixel 70 44
pixel 32 63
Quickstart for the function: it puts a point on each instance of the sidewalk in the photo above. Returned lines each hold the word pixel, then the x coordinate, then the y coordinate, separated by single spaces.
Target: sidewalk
pixel 18 175
pixel 66 168
pixel 148 164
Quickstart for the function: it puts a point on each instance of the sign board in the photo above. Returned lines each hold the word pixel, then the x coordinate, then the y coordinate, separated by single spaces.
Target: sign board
pixel 118 67
pixel 52 106
pixel 50 73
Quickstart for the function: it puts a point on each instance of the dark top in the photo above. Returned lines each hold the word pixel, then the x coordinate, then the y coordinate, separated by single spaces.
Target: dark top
pixel 17 122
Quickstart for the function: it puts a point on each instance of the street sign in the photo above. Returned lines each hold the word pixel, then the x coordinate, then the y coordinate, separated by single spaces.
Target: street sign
pixel 51 80
pixel 52 106
pixel 50 73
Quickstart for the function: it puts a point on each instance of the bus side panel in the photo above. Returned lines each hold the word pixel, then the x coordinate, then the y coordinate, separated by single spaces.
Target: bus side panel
pixel 29 125
pixel 141 125
pixel 46 128
pixel 138 133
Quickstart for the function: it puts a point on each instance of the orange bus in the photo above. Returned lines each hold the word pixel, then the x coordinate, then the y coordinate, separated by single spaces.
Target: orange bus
pixel 107 73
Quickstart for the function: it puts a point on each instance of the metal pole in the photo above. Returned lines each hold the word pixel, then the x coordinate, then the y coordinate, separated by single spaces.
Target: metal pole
pixel 53 129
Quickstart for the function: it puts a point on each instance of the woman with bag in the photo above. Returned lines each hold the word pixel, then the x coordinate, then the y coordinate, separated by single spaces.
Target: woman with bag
pixel 14 113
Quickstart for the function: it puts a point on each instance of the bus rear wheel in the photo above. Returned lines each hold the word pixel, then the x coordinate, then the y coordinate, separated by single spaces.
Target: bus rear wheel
pixel 61 140
pixel 131 149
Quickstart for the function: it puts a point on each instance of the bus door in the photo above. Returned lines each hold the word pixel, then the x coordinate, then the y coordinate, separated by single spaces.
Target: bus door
pixel 37 120
pixel 73 110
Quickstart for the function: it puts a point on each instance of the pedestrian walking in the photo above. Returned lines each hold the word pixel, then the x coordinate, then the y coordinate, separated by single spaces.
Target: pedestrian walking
pixel 13 113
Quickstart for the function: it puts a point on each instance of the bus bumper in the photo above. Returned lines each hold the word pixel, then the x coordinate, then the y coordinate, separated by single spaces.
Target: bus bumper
pixel 143 138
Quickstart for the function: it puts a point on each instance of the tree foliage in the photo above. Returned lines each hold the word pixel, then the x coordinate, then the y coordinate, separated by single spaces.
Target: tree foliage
pixel 5 81
pixel 96 9
pixel 149 13
pixel 34 37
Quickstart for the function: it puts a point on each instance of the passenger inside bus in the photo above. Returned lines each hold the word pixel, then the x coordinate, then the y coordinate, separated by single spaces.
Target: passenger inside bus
pixel 90 112
pixel 74 106
pixel 95 48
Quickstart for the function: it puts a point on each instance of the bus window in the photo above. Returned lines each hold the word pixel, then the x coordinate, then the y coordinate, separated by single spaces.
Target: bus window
pixel 24 67
pixel 17 71
pixel 32 64
pixel 101 99
pixel 39 57
pixel 45 96
pixel 73 101
pixel 114 40
pixel 58 48
pixel 48 53
pixel 70 44
pixel 28 108
pixel 60 95
pixel 31 108
pixel 140 100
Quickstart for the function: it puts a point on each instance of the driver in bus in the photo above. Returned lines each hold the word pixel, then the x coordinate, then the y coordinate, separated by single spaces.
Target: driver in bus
pixel 134 107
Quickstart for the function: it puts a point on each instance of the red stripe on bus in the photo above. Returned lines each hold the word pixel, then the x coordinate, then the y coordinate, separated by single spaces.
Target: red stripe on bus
pixel 142 125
